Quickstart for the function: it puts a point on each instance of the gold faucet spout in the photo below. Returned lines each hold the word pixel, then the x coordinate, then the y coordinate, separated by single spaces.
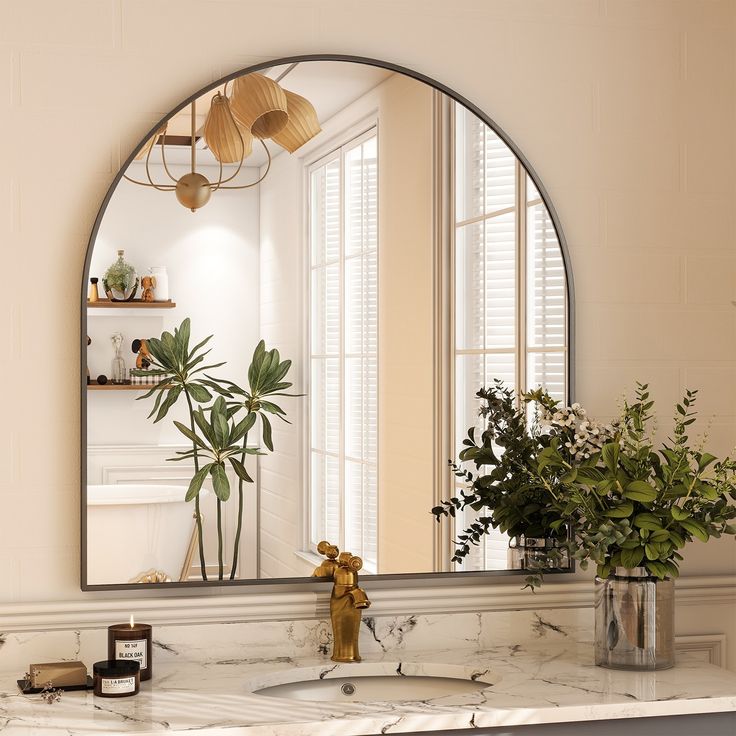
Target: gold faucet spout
pixel 360 599
pixel 347 601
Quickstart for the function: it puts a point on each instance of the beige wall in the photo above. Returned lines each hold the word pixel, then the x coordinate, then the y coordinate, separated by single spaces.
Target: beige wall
pixel 626 109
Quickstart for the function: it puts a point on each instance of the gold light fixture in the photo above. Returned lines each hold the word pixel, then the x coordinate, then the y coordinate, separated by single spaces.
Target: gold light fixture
pixel 259 105
pixel 228 141
pixel 257 108
pixel 303 124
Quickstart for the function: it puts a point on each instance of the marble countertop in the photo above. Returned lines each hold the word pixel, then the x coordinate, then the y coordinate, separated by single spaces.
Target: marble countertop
pixel 547 681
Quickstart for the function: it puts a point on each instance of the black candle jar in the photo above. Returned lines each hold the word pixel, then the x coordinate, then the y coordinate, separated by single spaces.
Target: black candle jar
pixel 116 678
pixel 131 642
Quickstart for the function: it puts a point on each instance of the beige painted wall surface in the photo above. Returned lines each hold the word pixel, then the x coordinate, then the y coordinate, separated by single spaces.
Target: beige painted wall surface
pixel 626 109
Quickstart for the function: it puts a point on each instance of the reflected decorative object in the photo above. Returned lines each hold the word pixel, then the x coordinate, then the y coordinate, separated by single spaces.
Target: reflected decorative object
pixel 258 107
pixel 148 283
pixel 120 282
pixel 161 284
pixel 228 141
pixel 259 104
pixel 143 357
pixel 346 602
pixel 634 620
pixel 94 294
pixel 303 124
pixel 118 371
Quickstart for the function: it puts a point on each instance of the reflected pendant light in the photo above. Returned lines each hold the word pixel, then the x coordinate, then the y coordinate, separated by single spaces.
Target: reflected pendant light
pixel 228 142
pixel 303 124
pixel 149 144
pixel 259 105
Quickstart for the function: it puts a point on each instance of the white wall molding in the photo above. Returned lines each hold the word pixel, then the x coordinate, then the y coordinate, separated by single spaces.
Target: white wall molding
pixel 394 598
pixel 710 648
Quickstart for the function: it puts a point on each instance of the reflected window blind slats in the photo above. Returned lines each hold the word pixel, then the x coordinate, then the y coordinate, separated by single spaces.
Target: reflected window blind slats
pixel 343 213
pixel 488 299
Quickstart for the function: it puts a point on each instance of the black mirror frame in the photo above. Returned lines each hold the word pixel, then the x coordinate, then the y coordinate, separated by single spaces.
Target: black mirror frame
pixel 428 576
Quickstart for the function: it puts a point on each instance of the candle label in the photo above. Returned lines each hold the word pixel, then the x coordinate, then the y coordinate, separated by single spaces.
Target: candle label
pixel 118 685
pixel 132 649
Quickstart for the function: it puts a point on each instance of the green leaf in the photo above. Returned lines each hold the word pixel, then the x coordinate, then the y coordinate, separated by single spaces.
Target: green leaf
pixel 266 427
pixel 610 453
pixel 240 470
pixel 171 397
pixel 647 521
pixel 679 514
pixel 639 490
pixel 199 393
pixel 705 460
pixel 220 482
pixel 632 557
pixel 695 528
pixel 622 511
pixel 195 485
pixel 651 552
pixel 190 435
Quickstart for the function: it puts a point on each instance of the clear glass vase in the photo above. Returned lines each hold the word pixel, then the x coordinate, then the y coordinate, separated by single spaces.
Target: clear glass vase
pixel 535 553
pixel 634 621
pixel 118 370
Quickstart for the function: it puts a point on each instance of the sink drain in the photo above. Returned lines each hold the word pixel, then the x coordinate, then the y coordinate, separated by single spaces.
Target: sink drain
pixel 348 689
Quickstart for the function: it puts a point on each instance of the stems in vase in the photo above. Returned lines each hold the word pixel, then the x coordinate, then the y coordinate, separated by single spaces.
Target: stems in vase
pixel 198 515
pixel 236 546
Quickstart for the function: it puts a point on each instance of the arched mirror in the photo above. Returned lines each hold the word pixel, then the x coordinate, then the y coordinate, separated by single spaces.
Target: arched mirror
pixel 293 291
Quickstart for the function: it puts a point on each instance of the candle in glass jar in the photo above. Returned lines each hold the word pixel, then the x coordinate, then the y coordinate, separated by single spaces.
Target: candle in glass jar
pixel 131 641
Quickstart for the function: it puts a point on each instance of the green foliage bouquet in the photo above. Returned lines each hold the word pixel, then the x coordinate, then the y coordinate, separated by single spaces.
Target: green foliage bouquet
pixel 607 492
pixel 636 504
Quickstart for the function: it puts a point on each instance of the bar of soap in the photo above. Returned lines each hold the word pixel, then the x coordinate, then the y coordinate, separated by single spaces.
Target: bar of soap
pixel 59 674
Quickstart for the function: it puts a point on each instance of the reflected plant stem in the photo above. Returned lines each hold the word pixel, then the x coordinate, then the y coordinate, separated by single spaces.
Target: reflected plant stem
pixel 219 540
pixel 197 513
pixel 236 547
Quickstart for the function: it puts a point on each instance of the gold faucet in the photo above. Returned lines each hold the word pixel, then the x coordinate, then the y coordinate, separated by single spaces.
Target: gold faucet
pixel 346 602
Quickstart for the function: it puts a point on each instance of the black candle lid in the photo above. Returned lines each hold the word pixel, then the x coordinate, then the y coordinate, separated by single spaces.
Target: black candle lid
pixel 116 667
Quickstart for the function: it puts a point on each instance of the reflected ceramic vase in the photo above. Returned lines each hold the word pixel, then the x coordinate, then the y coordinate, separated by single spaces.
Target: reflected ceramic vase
pixel 533 553
pixel 634 621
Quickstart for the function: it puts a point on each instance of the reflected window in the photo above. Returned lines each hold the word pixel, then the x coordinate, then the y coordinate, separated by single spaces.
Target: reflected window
pixel 343 327
pixel 509 316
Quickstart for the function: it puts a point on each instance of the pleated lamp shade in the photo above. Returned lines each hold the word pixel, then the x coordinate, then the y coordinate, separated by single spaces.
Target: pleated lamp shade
pixel 150 143
pixel 259 105
pixel 302 126
pixel 228 142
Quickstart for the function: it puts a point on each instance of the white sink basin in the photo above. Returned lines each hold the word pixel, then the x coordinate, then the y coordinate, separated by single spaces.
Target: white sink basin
pixel 373 682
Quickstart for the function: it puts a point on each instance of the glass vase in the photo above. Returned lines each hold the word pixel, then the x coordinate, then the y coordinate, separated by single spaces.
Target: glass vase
pixel 535 553
pixel 118 370
pixel 634 621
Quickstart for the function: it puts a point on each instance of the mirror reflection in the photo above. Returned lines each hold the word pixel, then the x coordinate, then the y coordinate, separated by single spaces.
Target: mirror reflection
pixel 294 295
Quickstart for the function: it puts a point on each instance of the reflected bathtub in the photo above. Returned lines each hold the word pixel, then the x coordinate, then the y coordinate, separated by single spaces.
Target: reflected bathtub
pixel 138 533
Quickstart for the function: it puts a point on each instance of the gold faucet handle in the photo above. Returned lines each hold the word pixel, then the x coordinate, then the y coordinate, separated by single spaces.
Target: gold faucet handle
pixel 330 551
pixel 351 561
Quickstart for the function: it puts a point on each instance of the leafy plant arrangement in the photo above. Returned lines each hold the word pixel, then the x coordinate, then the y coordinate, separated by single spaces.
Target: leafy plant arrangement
pixel 120 276
pixel 636 504
pixel 627 502
pixel 510 487
pixel 218 434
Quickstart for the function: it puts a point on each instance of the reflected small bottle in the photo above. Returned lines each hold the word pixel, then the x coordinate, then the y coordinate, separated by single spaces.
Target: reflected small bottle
pixel 94 294
pixel 118 371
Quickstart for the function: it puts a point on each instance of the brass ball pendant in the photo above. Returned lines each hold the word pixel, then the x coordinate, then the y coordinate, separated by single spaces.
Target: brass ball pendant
pixel 193 191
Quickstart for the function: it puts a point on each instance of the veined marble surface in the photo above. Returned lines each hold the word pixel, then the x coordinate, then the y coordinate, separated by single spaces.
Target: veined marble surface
pixel 540 668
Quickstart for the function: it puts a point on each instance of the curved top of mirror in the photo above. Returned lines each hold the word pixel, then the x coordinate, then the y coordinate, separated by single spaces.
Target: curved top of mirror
pixel 293 290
